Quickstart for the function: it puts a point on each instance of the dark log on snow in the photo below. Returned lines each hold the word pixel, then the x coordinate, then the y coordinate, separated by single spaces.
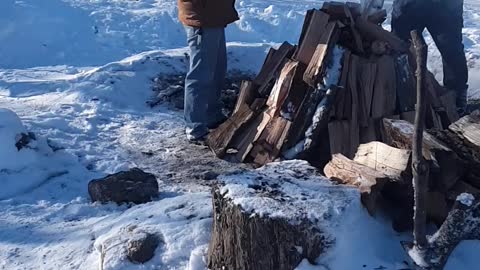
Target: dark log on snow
pixel 462 223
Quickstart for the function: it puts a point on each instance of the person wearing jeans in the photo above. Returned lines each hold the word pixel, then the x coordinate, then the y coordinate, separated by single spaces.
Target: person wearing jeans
pixel 444 21
pixel 205 22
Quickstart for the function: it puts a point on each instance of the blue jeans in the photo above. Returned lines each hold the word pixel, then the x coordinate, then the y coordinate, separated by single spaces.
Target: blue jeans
pixel 205 79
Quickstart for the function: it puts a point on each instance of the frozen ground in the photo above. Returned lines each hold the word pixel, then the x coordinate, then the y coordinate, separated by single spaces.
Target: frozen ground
pixel 78 73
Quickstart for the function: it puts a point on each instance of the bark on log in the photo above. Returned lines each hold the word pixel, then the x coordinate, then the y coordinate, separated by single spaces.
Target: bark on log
pixel 462 223
pixel 242 242
pixel 463 137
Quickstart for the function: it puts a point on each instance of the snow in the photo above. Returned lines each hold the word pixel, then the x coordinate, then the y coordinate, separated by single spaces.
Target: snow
pixel 319 201
pixel 466 199
pixel 77 73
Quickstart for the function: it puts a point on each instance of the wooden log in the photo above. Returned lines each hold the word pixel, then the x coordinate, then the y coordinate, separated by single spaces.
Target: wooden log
pixel 221 137
pixel 272 223
pixel 445 165
pixel 343 137
pixel 318 64
pixel 369 181
pixel 268 147
pixel 378 17
pixel 375 32
pixel 356 36
pixel 405 84
pixel 239 239
pixel 367 73
pixel 306 24
pixel 452 232
pixel 384 92
pixel 391 161
pixel 312 37
pixel 298 91
pixel 246 96
pixel 244 141
pixel 282 87
pixel 463 138
pixel 266 78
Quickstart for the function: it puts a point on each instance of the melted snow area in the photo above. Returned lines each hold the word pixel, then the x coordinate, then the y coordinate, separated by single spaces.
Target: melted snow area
pixel 78 73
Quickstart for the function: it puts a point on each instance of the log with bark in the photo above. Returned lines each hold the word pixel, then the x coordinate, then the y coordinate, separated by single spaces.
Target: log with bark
pixel 275 219
pixel 445 166
pixel 462 223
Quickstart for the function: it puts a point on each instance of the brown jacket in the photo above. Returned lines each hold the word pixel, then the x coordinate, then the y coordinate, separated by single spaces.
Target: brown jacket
pixel 207 13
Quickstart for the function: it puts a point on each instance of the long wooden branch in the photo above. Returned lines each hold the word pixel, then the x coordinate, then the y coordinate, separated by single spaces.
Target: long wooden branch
pixel 420 166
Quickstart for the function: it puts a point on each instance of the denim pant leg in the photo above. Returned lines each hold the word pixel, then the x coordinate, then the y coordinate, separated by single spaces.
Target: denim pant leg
pixel 215 104
pixel 201 83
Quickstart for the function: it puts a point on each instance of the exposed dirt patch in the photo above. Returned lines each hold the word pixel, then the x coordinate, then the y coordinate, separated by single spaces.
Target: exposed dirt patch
pixel 170 90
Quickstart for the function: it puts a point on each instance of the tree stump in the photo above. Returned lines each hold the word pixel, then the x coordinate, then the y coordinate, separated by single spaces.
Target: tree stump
pixel 275 217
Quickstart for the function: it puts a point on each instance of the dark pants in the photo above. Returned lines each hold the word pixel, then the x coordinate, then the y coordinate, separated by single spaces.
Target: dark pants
pixel 444 21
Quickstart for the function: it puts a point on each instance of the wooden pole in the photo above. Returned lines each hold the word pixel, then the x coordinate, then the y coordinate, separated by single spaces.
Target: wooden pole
pixel 419 165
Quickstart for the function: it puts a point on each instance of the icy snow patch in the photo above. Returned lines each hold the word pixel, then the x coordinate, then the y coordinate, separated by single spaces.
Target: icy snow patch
pixel 466 199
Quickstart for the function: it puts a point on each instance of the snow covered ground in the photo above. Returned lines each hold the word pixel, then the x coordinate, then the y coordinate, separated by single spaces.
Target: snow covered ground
pixel 78 74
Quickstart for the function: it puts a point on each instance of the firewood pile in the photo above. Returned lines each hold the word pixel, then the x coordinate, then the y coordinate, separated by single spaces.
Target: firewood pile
pixel 345 95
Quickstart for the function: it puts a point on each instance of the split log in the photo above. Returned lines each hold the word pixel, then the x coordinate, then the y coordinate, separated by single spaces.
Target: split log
pixel 298 91
pixel 391 161
pixel 369 181
pixel 246 95
pixel 343 137
pixel 268 146
pixel 322 112
pixel 462 223
pixel 318 64
pixel 282 87
pixel 376 32
pixel 266 78
pixel 367 72
pixel 405 84
pixel 384 92
pixel 463 137
pixel 243 143
pixel 221 137
pixel 445 165
pixel 312 37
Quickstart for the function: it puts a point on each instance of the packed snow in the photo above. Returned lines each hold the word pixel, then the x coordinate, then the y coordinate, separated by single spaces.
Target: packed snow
pixel 77 74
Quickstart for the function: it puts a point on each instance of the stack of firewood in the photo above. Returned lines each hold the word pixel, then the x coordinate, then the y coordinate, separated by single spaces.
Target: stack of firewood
pixel 346 96
pixel 329 92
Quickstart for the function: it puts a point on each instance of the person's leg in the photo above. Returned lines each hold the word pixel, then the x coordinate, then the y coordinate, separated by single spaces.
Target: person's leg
pixel 215 103
pixel 407 16
pixel 446 31
pixel 200 82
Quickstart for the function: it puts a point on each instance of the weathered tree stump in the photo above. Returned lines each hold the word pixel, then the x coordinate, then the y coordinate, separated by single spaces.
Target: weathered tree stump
pixel 274 217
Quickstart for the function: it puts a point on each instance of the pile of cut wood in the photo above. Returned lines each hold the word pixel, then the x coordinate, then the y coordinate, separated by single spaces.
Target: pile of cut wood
pixel 329 94
pixel 345 99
